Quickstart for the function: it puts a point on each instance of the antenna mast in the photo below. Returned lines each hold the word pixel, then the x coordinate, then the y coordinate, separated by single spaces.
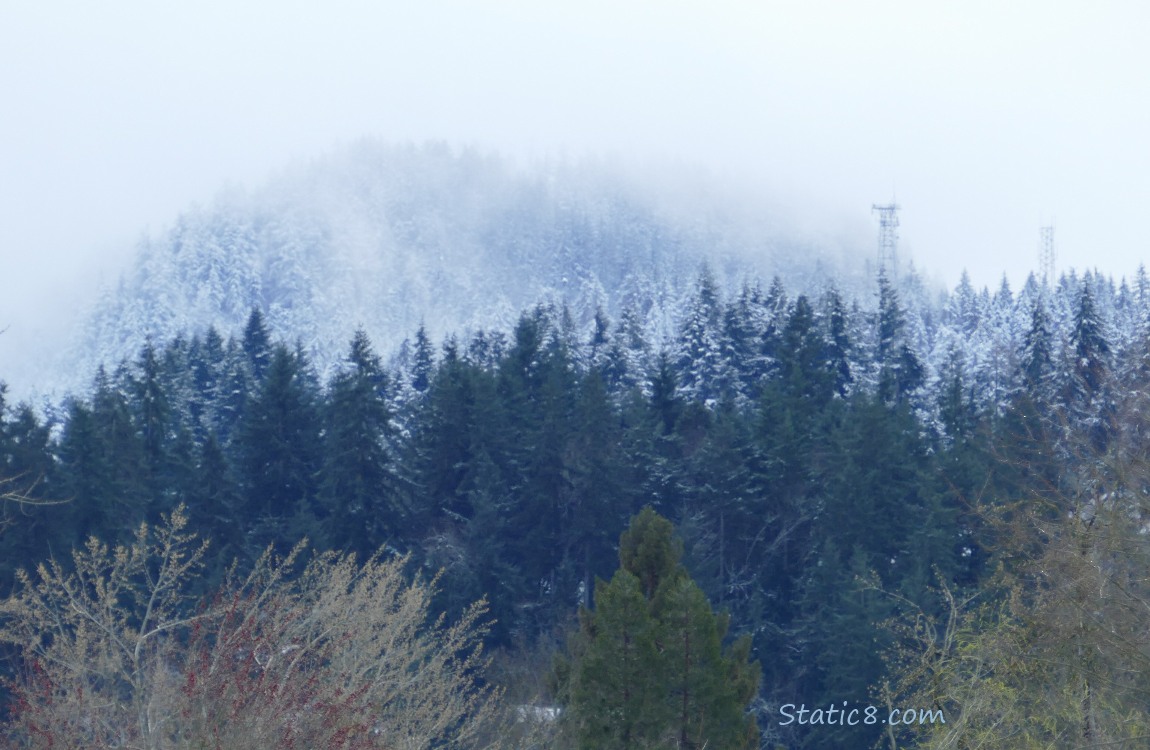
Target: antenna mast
pixel 887 238
pixel 1046 255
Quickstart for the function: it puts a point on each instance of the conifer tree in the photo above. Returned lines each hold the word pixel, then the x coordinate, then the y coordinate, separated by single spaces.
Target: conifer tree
pixel 441 446
pixel 665 400
pixel 648 668
pixel 594 493
pixel 628 353
pixel 423 361
pixel 1036 359
pixel 152 416
pixel 29 514
pixel 600 342
pixel 899 371
pixel 279 443
pixel 216 503
pixel 206 363
pixel 703 371
pixel 359 488
pixel 257 344
pixel 621 706
pixel 234 392
pixel 26 461
pixel 837 347
pixel 955 401
pixel 102 459
pixel 774 315
pixel 739 341
pixel 962 310
pixel 803 373
pixel 1086 382
pixel 876 513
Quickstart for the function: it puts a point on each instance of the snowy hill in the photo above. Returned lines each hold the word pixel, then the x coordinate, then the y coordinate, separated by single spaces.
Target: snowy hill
pixel 388 237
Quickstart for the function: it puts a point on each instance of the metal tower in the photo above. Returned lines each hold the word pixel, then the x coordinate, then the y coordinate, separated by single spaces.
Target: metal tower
pixel 1046 255
pixel 887 238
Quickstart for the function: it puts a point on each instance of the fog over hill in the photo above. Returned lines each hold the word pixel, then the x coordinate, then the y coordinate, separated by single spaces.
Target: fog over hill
pixel 392 237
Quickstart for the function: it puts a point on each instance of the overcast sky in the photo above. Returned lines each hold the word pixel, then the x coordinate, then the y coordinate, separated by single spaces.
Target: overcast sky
pixel 987 120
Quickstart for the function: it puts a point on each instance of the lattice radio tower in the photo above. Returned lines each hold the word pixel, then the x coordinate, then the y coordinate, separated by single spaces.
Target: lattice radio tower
pixel 1046 255
pixel 887 238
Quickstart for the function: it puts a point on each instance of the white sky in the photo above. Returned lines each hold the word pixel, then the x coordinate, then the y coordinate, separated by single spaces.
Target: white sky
pixel 987 119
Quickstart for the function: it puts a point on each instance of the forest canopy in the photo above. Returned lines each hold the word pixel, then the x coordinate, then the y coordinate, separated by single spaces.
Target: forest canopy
pixel 832 468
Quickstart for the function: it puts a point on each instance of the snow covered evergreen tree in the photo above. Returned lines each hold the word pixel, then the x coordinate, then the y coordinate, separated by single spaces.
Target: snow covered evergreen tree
pixel 703 371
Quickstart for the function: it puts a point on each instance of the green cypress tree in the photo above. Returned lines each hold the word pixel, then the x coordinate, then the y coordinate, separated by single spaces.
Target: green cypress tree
pixel 649 550
pixel 619 705
pixel 709 691
pixel 648 668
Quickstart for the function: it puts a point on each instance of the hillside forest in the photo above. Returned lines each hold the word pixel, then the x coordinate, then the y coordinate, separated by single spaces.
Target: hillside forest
pixel 900 500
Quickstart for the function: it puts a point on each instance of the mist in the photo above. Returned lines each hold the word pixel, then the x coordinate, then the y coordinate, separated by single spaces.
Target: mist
pixel 984 122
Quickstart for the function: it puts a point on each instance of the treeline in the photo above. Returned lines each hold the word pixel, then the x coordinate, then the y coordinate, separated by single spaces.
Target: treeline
pixel 823 470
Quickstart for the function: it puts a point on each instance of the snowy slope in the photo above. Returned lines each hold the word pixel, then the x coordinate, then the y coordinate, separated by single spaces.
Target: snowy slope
pixel 388 237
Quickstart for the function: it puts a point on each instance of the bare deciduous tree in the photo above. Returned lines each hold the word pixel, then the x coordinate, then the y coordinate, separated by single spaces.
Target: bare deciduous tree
pixel 340 654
